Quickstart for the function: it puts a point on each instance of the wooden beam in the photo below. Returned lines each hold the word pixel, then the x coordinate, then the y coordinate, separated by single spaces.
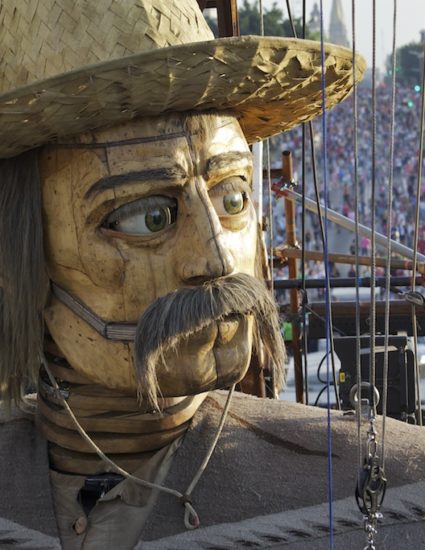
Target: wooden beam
pixel 284 252
pixel 227 15
pixel 291 241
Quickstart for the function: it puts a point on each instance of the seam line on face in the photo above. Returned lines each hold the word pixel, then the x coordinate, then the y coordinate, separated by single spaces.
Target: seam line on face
pixel 124 261
pixel 201 195
pixel 210 220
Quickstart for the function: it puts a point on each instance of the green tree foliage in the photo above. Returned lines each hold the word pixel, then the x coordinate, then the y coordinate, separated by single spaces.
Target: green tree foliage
pixel 275 23
pixel 408 65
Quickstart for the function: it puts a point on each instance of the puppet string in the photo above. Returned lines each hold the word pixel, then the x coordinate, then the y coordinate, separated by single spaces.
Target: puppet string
pixel 191 518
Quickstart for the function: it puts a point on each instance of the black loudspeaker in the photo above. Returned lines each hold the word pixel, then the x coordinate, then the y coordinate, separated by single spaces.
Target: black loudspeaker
pixel 401 373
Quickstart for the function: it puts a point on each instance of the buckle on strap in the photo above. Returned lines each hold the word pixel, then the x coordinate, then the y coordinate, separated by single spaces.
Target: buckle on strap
pixel 109 330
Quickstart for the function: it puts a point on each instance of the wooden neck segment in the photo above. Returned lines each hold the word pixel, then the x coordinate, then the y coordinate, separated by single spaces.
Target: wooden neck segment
pixel 117 423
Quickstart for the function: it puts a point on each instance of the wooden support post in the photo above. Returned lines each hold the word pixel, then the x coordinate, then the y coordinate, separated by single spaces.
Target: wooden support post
pixel 227 15
pixel 291 240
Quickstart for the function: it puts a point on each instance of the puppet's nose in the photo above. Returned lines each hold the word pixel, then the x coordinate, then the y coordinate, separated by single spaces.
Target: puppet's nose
pixel 204 254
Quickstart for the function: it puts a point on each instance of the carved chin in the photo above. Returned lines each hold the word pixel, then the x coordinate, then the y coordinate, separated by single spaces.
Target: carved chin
pixel 213 358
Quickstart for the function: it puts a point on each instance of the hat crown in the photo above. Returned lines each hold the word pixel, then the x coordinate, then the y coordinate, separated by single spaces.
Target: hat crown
pixel 43 38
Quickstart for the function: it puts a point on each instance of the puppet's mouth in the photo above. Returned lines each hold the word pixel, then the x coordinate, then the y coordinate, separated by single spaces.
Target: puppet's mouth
pixel 214 357
pixel 227 328
pixel 204 335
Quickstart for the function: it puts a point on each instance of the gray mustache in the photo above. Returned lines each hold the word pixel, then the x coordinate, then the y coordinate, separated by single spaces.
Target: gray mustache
pixel 181 313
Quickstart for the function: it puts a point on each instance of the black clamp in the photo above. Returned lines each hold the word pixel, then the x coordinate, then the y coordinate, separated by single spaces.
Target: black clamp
pixel 415 298
pixel 287 184
pixel 304 297
pixel 95 487
pixel 371 486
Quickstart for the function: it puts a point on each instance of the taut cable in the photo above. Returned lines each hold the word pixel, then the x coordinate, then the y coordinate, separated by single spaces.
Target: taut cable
pixel 371 482
pixel 356 221
pixel 415 244
pixel 321 225
pixel 327 294
pixel 389 224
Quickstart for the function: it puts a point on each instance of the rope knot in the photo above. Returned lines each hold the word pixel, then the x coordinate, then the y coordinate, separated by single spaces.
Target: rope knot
pixel 191 518
pixel 185 499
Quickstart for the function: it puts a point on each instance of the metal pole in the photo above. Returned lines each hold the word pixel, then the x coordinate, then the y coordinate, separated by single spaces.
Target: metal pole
pixel 284 253
pixel 341 220
pixel 291 240
pixel 345 282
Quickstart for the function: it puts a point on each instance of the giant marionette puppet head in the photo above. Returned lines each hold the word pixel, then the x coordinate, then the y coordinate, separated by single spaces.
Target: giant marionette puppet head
pixel 126 225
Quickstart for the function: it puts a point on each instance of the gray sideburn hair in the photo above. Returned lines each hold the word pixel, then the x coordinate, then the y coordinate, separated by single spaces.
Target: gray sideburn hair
pixel 23 277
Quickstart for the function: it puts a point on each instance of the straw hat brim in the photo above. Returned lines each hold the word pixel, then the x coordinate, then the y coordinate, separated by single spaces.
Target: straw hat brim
pixel 271 83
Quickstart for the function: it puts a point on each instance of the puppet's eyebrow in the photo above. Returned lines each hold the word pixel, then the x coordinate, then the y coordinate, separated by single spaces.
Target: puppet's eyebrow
pixel 225 160
pixel 170 174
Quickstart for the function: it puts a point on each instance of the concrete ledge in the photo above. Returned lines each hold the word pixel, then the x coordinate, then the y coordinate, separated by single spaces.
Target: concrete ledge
pixel 403 526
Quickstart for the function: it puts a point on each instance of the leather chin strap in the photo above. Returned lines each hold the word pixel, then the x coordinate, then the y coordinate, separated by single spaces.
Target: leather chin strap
pixel 123 332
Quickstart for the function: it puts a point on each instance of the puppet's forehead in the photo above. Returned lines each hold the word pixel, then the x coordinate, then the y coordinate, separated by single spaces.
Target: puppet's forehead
pixel 149 130
pixel 170 147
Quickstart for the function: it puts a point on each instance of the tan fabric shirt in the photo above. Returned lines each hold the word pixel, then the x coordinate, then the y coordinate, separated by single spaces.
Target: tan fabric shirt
pixel 118 517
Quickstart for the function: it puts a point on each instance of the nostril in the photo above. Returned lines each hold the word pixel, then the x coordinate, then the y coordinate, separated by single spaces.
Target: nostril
pixel 221 262
pixel 199 280
pixel 227 263
pixel 198 270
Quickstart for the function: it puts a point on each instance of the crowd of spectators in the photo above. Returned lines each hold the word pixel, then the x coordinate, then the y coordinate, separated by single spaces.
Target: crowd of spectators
pixel 340 168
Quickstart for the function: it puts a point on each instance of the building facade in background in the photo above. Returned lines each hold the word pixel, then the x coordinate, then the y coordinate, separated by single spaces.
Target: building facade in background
pixel 337 28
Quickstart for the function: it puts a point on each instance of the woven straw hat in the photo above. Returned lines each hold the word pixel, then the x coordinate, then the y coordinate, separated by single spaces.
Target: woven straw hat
pixel 68 66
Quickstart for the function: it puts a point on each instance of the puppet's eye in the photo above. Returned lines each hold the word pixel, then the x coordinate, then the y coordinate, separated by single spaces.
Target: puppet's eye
pixel 231 196
pixel 234 203
pixel 144 216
